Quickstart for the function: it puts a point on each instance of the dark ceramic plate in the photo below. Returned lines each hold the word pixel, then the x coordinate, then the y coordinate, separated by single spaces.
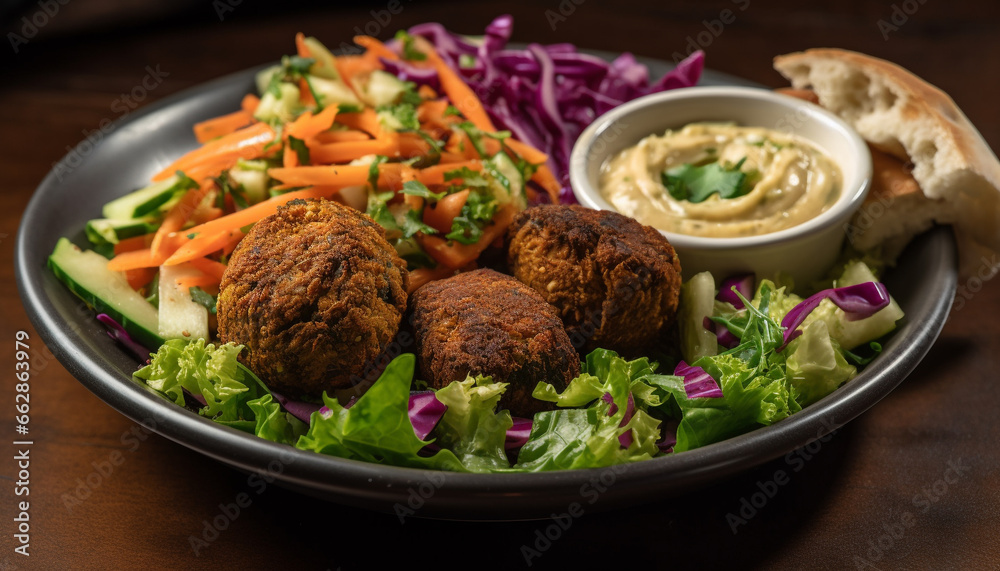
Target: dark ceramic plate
pixel 147 141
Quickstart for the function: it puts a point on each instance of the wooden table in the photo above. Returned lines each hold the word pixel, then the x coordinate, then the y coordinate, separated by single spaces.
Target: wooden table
pixel 910 484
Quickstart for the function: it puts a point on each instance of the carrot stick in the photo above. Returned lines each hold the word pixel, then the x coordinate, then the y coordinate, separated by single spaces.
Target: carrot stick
pixel 375 47
pixel 134 243
pixel 455 254
pixel 421 276
pixel 250 103
pixel 460 94
pixel 348 151
pixel 330 175
pixel 435 174
pixel 544 177
pixel 289 158
pixel 300 46
pixel 351 66
pixel 305 94
pixel 247 143
pixel 202 245
pixel 337 137
pixel 441 215
pixel 210 267
pixel 527 152
pixel 307 125
pixel 176 217
pixel 134 260
pixel 219 126
pixel 250 215
pixel 366 120
pixel 139 277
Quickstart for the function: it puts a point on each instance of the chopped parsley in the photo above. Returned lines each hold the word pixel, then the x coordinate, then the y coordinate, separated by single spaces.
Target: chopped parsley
pixel 202 297
pixel 467 227
pixel 413 223
pixel 417 188
pixel 696 183
pixel 452 110
pixel 399 117
pixel 410 52
pixel 300 148
pixel 373 171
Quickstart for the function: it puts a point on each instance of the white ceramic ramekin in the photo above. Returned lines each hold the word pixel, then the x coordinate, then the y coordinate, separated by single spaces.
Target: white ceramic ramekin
pixel 805 251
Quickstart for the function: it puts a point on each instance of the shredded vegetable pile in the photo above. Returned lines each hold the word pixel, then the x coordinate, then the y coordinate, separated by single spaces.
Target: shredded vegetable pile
pixel 544 95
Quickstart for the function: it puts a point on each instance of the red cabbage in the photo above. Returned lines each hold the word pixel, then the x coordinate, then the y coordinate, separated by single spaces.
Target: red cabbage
pixel 518 434
pixel 723 335
pixel 547 95
pixel 425 412
pixel 625 439
pixel 858 302
pixel 697 382
pixel 119 334
pixel 611 401
pixel 299 409
pixel 669 428
pixel 743 284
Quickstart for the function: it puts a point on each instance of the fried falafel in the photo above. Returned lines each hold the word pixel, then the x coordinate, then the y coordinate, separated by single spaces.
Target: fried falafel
pixel 614 282
pixel 485 322
pixel 315 293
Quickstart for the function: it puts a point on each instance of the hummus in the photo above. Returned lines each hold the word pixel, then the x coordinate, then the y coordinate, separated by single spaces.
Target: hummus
pixel 792 181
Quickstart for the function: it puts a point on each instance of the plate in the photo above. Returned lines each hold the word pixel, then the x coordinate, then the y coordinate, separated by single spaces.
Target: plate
pixel 145 142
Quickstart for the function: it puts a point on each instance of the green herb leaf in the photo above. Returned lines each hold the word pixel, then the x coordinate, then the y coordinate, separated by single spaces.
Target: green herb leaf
pixel 373 171
pixel 300 148
pixel 413 223
pixel 417 188
pixel 452 110
pixel 202 297
pixel 348 108
pixel 410 52
pixel 696 183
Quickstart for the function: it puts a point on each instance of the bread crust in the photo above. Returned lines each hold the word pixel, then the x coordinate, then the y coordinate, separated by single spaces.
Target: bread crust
pixel 903 115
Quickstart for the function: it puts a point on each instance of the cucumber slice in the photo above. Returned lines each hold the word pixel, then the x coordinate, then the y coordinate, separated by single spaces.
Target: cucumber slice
pixel 180 316
pixel 383 89
pixel 110 231
pixel 511 183
pixel 86 274
pixel 283 108
pixel 333 91
pixel 146 200
pixel 697 303
pixel 253 180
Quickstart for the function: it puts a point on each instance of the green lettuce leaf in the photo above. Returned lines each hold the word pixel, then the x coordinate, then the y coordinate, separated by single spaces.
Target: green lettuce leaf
pixel 274 424
pixel 377 427
pixel 470 428
pixel 816 365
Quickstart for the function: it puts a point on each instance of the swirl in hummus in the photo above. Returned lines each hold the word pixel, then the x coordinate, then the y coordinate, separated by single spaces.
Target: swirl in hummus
pixel 793 181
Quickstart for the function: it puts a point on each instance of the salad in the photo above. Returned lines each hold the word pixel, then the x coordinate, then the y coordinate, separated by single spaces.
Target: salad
pixel 441 140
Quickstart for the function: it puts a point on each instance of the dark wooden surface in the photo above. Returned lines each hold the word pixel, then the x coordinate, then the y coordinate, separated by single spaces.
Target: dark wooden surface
pixel 844 507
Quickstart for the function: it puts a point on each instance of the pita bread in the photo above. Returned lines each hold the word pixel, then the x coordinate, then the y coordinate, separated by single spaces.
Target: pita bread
pixel 920 126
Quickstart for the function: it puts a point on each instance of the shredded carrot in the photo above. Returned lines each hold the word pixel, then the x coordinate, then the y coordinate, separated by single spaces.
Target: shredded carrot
pixel 460 94
pixel 289 158
pixel 441 215
pixel 435 174
pixel 337 137
pixel 134 260
pixel 250 103
pixel 354 66
pixel 454 254
pixel 176 217
pixel 375 47
pixel 544 178
pixel 527 152
pixel 204 244
pixel 307 125
pixel 246 143
pixel 134 243
pixel 348 151
pixel 210 267
pixel 427 92
pixel 247 216
pixel 421 276
pixel 305 94
pixel 219 126
pixel 366 120
pixel 300 45
pixel 140 277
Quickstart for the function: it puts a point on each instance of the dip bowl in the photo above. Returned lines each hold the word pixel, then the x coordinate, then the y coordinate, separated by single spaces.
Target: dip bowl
pixel 804 252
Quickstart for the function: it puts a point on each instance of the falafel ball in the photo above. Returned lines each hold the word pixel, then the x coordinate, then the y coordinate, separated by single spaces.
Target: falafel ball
pixel 614 282
pixel 488 323
pixel 315 293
